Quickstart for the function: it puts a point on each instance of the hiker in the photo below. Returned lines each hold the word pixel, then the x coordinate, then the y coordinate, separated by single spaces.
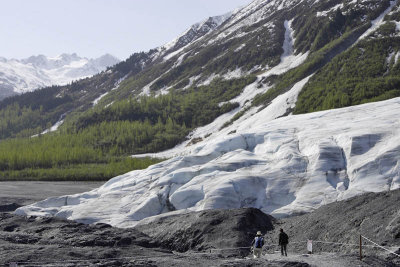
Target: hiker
pixel 257 244
pixel 283 241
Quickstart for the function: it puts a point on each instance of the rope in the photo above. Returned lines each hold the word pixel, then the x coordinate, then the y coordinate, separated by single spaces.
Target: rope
pixel 338 243
pixel 380 246
pixel 201 253
pixel 230 248
pixel 301 242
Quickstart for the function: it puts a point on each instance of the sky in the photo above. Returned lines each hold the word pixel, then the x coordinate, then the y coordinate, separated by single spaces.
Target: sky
pixel 92 28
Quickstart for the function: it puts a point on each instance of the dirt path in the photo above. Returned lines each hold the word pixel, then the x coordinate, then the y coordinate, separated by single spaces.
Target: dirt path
pixel 323 259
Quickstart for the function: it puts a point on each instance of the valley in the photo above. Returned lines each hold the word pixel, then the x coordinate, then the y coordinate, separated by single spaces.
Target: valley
pixel 277 114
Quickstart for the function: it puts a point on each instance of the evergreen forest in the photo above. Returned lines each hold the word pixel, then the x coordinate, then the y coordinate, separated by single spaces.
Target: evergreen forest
pixel 97 144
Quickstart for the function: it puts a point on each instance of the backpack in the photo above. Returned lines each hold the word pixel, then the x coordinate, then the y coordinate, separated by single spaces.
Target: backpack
pixel 284 239
pixel 259 242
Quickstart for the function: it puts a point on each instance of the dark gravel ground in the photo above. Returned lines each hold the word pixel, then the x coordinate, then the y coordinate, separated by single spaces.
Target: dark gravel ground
pixel 40 241
pixel 56 242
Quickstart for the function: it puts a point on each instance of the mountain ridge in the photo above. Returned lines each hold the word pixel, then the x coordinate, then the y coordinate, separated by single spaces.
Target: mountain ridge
pixel 29 74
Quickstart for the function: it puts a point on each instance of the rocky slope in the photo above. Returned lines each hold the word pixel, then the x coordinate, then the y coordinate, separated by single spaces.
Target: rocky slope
pixel 373 215
pixel 208 229
pixel 211 237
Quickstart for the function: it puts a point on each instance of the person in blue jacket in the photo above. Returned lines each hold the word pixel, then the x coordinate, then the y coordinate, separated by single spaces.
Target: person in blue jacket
pixel 257 244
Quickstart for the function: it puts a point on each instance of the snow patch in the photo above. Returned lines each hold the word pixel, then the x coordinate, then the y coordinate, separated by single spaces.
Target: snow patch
pixel 278 107
pixel 146 89
pixel 396 58
pixel 106 106
pixel 119 81
pixel 397 25
pixel 191 81
pixel 249 92
pixel 288 59
pixel 376 23
pixel 240 48
pixel 237 73
pixel 283 5
pixel 163 91
pixel 96 101
pixel 325 13
pixel 54 127
pixel 116 85
pixel 179 60
pixel 209 79
pixel 171 55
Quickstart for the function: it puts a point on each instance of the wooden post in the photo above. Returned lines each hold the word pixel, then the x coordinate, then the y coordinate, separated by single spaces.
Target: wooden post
pixel 360 248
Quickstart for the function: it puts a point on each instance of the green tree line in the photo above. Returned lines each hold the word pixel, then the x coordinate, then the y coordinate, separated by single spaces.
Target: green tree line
pixel 96 144
pixel 365 73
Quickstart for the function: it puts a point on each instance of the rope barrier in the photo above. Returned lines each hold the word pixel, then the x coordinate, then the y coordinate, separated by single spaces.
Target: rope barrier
pixel 380 246
pixel 48 264
pixel 230 248
pixel 314 241
pixel 305 242
pixel 338 243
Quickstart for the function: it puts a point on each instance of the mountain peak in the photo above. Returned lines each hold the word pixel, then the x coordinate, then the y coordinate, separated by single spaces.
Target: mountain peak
pixel 195 32
pixel 37 71
pixel 105 60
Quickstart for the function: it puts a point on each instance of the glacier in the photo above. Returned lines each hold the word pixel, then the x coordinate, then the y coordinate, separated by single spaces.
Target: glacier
pixel 285 166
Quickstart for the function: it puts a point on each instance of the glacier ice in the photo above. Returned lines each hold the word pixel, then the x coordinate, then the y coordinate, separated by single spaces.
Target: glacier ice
pixel 283 166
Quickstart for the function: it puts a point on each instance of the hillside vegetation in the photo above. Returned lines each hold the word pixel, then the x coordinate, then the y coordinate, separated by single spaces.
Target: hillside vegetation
pixel 366 73
pixel 94 146
pixel 334 61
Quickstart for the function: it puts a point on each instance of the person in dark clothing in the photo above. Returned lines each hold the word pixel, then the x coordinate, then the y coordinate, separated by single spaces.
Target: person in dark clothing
pixel 283 241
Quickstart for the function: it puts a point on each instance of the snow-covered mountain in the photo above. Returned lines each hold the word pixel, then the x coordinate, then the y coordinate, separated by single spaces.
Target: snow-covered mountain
pixel 191 35
pixel 25 75
pixel 262 155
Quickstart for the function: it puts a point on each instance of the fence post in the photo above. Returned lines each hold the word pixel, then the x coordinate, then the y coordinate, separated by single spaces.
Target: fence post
pixel 309 246
pixel 360 247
